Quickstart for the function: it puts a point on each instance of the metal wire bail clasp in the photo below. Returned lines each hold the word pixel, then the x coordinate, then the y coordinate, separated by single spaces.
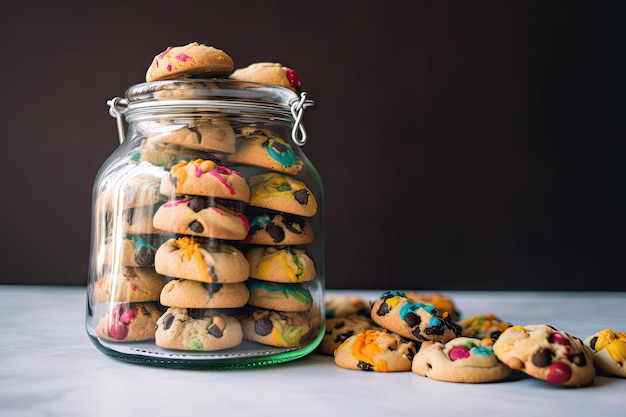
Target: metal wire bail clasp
pixel 298 133
pixel 117 105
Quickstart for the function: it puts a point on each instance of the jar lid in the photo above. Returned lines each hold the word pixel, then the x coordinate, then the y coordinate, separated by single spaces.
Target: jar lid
pixel 196 95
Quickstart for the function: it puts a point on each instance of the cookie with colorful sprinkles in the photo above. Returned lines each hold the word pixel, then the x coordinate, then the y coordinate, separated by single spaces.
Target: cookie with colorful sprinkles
pixel 129 322
pixel 279 296
pixel 462 359
pixel 194 59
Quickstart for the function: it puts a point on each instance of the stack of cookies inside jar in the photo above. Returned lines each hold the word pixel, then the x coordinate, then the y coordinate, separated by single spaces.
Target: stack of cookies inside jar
pixel 205 234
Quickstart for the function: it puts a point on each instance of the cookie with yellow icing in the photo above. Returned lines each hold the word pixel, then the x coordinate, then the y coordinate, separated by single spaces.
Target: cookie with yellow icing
pixel 276 328
pixel 280 264
pixel 462 359
pixel 193 59
pixel 201 260
pixel 283 193
pixel 609 351
pixel 417 321
pixel 545 353
pixel 205 178
pixel 376 350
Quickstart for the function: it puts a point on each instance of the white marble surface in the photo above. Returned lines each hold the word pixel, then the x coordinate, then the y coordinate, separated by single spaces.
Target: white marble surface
pixel 49 367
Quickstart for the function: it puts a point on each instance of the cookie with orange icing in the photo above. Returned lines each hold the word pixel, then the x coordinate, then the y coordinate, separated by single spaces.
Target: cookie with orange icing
pixel 376 350
pixel 129 322
pixel 280 264
pixel 462 359
pixel 199 260
pixel 205 178
pixel 272 73
pixel 417 321
pixel 194 59
pixel 282 193
pixel 609 351
pixel 545 353
pixel 202 216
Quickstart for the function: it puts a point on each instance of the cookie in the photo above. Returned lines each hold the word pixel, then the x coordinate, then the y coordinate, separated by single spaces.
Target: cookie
pixel 129 322
pixel 266 149
pixel 487 327
pixel 193 59
pixel 338 329
pixel 347 305
pixel 134 191
pixel 186 293
pixel 205 178
pixel 202 216
pixel 443 303
pixel 276 328
pixel 133 250
pixel 462 359
pixel 163 155
pixel 609 351
pixel 376 350
pixel 418 321
pixel 278 229
pixel 280 192
pixel 278 296
pixel 545 353
pixel 132 221
pixel 199 260
pixel 213 134
pixel 272 73
pixel 286 265
pixel 129 284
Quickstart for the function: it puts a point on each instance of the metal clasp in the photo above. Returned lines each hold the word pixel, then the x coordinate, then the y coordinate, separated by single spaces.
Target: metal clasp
pixel 298 133
pixel 117 106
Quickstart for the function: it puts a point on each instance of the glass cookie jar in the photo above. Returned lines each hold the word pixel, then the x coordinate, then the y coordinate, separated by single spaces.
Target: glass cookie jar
pixel 207 246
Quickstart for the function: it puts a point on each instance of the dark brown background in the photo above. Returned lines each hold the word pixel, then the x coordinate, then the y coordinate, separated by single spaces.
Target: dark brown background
pixel 464 145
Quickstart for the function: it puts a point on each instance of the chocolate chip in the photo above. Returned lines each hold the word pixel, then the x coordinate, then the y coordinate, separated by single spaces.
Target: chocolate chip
pixel 276 232
pixel 196 226
pixel 293 223
pixel 542 358
pixel 130 215
pixel 129 272
pixel 212 288
pixel 173 181
pixel 364 366
pixel 144 256
pixel 168 320
pixel 279 147
pixel 301 196
pixel 383 309
pixel 263 326
pixel 198 203
pixel 593 341
pixel 214 330
pixel 343 336
pixel 196 132
pixel 412 319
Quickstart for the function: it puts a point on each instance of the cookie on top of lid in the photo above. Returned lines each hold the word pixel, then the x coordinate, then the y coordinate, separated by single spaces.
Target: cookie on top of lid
pixel 272 73
pixel 191 60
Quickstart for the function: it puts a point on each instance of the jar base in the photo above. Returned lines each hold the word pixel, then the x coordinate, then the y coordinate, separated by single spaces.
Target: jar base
pixel 247 355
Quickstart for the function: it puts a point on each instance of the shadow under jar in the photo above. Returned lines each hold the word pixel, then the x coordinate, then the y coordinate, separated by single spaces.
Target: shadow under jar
pixel 207 246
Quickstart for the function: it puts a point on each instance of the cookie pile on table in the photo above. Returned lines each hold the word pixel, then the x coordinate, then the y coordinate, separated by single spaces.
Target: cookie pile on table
pixel 208 257
pixel 424 333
